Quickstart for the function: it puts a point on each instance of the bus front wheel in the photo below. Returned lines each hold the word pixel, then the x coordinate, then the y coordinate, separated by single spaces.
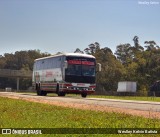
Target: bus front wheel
pixel 84 95
pixel 61 94
pixel 38 89
pixel 41 93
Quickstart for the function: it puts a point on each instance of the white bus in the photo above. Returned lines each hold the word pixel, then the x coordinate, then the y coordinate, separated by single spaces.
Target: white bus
pixel 65 73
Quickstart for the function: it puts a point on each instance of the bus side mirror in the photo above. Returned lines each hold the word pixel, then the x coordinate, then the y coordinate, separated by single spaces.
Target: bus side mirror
pixel 65 64
pixel 98 67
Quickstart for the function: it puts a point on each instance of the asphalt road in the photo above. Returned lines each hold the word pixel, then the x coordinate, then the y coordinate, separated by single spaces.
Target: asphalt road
pixel 124 104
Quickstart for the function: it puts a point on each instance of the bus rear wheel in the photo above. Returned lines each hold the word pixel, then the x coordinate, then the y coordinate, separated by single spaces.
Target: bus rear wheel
pixel 61 93
pixel 58 92
pixel 84 95
pixel 41 92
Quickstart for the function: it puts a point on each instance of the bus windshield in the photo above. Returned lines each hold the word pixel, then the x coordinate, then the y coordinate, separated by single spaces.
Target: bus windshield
pixel 80 70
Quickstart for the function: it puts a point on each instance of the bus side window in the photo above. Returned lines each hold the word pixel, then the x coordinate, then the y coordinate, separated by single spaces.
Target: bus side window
pixel 37 65
pixel 42 65
pixel 34 66
pixel 47 65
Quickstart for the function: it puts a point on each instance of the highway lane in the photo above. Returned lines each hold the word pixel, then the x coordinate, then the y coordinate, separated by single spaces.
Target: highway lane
pixel 116 103
pixel 131 104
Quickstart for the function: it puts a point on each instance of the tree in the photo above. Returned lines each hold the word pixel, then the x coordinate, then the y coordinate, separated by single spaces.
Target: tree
pixel 136 41
pixel 137 46
pixel 92 48
pixel 78 51
pixel 111 68
pixel 112 71
pixel 150 45
pixel 107 50
pixel 20 60
pixel 124 53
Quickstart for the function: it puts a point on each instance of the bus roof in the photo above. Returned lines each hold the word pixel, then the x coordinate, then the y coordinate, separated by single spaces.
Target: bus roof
pixel 68 54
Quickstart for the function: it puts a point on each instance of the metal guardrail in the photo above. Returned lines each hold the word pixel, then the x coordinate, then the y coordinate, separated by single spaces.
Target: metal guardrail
pixel 15 73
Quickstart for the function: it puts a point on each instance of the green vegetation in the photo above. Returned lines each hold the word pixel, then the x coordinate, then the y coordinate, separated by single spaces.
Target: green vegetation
pixel 140 63
pixel 18 114
pixel 22 114
pixel 155 99
pixel 128 63
pixel 20 60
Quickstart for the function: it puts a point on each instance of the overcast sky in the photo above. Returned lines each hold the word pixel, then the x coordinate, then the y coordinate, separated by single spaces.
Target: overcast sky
pixel 64 25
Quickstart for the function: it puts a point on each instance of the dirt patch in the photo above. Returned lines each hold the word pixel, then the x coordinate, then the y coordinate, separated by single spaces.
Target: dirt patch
pixel 147 114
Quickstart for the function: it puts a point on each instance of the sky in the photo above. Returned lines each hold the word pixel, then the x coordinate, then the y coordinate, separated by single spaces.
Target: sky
pixel 63 25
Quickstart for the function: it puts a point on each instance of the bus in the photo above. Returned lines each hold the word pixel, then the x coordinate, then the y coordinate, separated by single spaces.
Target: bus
pixel 65 73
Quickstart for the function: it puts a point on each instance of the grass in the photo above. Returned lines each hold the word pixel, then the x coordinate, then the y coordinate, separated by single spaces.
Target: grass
pixel 23 114
pixel 155 99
